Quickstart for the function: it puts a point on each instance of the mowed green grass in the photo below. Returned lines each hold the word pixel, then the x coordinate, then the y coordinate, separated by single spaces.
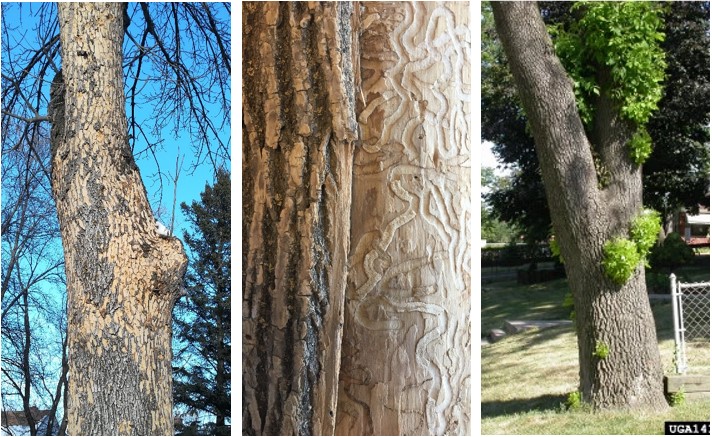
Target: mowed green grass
pixel 526 377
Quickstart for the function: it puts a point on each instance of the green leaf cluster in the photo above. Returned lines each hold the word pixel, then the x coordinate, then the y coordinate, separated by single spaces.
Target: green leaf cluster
pixel 574 400
pixel 624 39
pixel 602 350
pixel 640 146
pixel 644 231
pixel 678 398
pixel 621 256
pixel 555 250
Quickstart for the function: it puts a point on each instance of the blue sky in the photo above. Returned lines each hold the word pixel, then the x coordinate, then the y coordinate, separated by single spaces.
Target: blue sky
pixel 192 180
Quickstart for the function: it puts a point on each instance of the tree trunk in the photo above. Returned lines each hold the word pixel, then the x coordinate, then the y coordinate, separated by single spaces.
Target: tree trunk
pixel 26 374
pixel 221 379
pixel 405 357
pixel 298 140
pixel 586 215
pixel 122 278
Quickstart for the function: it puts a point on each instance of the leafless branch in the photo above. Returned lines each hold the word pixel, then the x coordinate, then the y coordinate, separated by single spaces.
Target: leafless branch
pixel 36 119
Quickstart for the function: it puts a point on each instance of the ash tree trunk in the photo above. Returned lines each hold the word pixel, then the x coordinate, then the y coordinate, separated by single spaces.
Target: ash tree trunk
pixel 122 277
pixel 585 215
pixel 310 71
pixel 299 134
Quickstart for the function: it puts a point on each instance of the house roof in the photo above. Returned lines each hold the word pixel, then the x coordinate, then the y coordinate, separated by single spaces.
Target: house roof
pixel 701 219
pixel 18 418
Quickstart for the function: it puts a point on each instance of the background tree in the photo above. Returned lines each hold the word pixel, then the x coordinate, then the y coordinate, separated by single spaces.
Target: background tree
pixel 105 219
pixel 493 229
pixel 590 142
pixel 202 318
pixel 504 123
pixel 675 175
pixel 32 323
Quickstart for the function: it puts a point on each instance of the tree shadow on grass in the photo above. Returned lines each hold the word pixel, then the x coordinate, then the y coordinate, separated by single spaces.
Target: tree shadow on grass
pixel 546 335
pixel 526 340
pixel 515 406
pixel 539 336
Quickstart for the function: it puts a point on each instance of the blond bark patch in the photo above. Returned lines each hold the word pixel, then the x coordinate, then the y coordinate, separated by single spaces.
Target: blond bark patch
pixel 122 278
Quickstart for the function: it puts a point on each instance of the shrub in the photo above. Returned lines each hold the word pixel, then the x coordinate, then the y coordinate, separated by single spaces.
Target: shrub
pixel 511 255
pixel 657 282
pixel 514 255
pixel 671 254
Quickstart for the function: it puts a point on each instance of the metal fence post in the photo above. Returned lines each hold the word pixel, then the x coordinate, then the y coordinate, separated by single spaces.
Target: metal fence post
pixel 680 364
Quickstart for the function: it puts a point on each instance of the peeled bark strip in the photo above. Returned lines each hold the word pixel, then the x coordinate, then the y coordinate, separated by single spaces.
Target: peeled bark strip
pixel 405 366
pixel 298 142
pixel 122 278
pixel 586 216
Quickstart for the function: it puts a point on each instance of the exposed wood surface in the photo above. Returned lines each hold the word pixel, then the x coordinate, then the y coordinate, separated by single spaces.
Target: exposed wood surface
pixel 405 361
pixel 688 383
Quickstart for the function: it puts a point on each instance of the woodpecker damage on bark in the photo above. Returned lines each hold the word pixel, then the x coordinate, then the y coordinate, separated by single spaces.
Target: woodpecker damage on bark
pixel 122 278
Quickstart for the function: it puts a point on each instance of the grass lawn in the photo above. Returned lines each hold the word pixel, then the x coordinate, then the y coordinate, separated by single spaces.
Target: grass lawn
pixel 526 377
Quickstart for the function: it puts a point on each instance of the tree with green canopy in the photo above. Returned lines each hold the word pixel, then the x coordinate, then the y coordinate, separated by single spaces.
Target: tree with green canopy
pixel 676 173
pixel 588 97
pixel 493 229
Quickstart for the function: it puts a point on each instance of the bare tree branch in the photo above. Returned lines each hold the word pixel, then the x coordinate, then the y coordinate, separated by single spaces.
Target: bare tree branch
pixel 37 119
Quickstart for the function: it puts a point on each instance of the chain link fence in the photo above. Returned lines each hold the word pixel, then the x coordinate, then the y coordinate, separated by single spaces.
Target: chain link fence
pixel 691 317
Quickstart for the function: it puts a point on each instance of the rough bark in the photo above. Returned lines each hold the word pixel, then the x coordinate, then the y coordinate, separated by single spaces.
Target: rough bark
pixel 299 133
pixel 585 215
pixel 122 278
pixel 406 351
